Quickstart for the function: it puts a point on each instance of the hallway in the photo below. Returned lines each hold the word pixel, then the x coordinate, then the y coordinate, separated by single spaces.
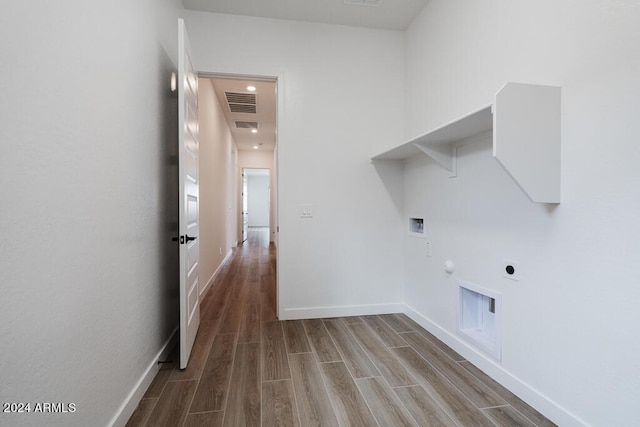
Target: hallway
pixel 249 369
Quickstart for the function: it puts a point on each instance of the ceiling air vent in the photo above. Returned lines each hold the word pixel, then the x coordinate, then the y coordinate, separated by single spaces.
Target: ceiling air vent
pixel 241 102
pixel 246 125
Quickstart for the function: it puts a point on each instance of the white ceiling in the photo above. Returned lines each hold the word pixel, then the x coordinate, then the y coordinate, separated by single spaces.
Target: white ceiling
pixel 265 139
pixel 387 14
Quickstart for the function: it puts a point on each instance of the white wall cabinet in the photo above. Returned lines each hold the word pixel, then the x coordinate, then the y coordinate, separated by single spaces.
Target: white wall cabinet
pixel 525 121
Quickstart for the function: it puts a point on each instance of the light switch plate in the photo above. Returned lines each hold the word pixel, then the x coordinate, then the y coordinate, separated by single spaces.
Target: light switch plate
pixel 306 211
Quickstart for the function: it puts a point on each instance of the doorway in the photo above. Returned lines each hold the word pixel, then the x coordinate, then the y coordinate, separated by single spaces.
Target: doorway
pixel 250 105
pixel 256 203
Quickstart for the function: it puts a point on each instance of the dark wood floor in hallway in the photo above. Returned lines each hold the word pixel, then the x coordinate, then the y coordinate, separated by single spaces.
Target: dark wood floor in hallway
pixel 249 369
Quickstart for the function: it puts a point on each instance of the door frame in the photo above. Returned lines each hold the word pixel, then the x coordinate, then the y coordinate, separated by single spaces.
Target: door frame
pixel 279 82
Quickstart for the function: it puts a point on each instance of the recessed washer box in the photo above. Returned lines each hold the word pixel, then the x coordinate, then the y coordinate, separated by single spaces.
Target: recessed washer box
pixel 416 227
pixel 480 317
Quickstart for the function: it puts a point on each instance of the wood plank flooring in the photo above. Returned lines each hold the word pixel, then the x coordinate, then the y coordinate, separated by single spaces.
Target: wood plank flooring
pixel 249 369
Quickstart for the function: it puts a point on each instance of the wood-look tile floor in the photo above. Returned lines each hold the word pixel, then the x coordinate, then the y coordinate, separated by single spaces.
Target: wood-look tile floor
pixel 249 369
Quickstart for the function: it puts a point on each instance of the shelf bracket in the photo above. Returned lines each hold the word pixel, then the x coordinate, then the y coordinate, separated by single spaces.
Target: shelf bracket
pixel 443 154
pixel 527 138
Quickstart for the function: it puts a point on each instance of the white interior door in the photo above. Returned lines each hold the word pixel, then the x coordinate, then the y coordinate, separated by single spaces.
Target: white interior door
pixel 188 184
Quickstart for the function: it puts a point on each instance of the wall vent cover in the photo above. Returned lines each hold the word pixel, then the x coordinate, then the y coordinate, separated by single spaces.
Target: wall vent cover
pixel 242 102
pixel 240 124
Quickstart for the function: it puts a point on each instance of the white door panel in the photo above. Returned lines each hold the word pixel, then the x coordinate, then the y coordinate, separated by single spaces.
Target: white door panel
pixel 188 173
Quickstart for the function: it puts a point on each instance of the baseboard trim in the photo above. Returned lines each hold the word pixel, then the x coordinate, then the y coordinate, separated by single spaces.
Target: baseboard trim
pixel 530 395
pixel 340 311
pixel 215 273
pixel 133 399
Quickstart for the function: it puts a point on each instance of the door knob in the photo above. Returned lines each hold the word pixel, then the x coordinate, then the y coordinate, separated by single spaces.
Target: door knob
pixel 188 238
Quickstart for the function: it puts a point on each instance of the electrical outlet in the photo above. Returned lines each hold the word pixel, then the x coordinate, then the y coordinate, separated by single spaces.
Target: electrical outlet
pixel 427 247
pixel 511 269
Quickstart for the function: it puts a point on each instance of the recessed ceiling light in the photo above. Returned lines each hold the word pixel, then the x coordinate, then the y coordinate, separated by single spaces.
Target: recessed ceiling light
pixel 251 88
pixel 255 147
pixel 254 130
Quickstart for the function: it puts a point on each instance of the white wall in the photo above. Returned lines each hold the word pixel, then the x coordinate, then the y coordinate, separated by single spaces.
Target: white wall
pixel 341 97
pixel 258 200
pixel 217 161
pixel 87 266
pixel 570 322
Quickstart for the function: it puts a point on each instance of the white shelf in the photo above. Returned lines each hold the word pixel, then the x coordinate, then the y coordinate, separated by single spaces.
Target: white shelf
pixel 439 142
pixel 526 138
